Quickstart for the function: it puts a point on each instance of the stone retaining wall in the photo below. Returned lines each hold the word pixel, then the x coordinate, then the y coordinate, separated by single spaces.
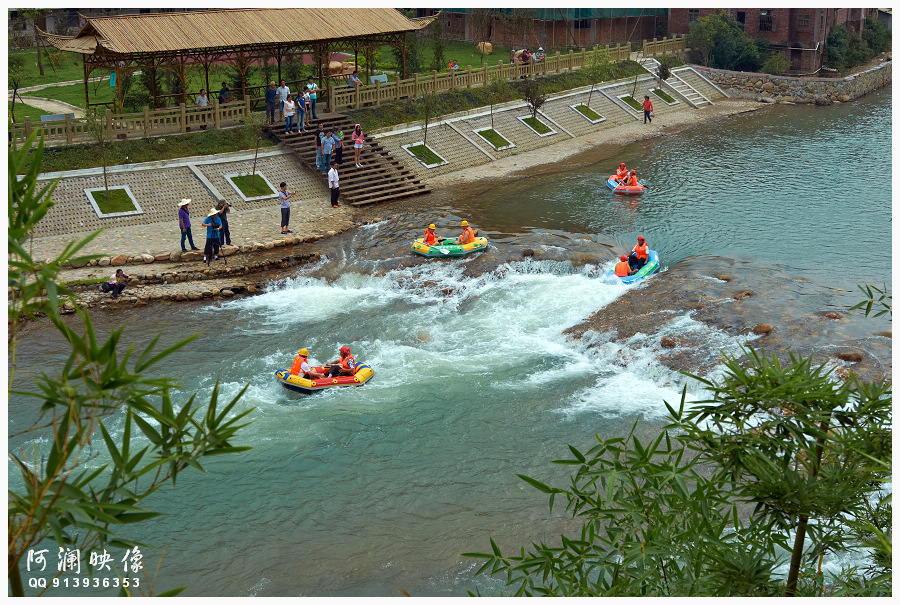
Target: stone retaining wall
pixel 799 89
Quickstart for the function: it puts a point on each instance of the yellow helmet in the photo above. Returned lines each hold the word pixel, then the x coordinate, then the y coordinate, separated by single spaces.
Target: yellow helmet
pixel 304 352
pixel 431 226
pixel 464 224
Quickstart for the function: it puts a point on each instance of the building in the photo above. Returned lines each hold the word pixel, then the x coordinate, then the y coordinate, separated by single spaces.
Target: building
pixel 799 32
pixel 552 28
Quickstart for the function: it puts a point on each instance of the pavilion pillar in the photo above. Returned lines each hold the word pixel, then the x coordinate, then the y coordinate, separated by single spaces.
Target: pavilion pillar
pixel 206 74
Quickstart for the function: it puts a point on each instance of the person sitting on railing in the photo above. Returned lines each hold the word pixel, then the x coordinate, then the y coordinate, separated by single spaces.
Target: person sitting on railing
pixel 539 55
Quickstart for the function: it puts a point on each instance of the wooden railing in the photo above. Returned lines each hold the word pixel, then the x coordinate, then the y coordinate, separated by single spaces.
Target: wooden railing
pixel 666 46
pixel 375 94
pixel 142 124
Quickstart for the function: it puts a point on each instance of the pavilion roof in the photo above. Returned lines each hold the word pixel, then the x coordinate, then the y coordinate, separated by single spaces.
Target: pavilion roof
pixel 173 32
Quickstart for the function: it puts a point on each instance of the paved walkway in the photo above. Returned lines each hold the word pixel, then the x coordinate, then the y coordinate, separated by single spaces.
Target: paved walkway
pixel 49 105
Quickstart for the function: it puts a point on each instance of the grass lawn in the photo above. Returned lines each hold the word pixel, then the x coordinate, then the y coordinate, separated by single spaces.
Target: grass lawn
pixel 252 185
pixel 132 151
pixel 23 110
pixel 118 201
pixel 537 125
pixel 465 53
pixel 425 155
pixel 494 138
pixel 659 92
pixel 69 69
pixel 631 101
pixel 587 112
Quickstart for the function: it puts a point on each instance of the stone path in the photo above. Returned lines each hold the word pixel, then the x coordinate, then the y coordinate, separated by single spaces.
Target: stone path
pixel 49 105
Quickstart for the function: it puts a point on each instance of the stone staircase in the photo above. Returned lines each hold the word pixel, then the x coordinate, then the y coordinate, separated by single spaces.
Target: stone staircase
pixel 700 83
pixel 691 94
pixel 382 178
pixel 650 64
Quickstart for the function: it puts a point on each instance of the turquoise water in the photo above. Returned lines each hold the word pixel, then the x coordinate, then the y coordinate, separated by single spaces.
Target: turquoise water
pixel 369 490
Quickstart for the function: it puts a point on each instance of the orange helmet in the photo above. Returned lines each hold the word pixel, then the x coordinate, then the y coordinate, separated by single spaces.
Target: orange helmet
pixel 623 258
pixel 640 238
pixel 345 350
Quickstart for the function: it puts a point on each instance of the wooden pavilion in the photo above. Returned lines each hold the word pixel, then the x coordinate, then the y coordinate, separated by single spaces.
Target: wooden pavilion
pixel 183 42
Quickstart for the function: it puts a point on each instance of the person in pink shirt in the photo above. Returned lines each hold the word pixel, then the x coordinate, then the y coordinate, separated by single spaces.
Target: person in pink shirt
pixel 357 137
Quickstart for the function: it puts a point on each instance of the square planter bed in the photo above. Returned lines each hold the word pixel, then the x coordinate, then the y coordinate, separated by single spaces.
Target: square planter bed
pixel 536 126
pixel 424 155
pixel 666 97
pixel 587 113
pixel 493 138
pixel 251 187
pixel 632 102
pixel 121 201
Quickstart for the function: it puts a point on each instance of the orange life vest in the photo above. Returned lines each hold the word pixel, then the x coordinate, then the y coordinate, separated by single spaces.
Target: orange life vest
pixel 621 172
pixel 467 236
pixel 641 251
pixel 430 238
pixel 631 181
pixel 345 363
pixel 622 268
pixel 298 362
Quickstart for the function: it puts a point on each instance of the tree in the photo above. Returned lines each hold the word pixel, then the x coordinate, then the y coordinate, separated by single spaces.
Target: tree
pixel 779 455
pixel 89 482
pixel 535 97
pixel 666 63
pixel 413 54
pixel 34 14
pixel 719 41
pixel 836 46
pixel 521 20
pixel 777 64
pixel 598 69
pixel 480 21
pixel 429 109
pixel 96 126
pixel 876 35
pixel 16 73
pixel 257 125
pixel 438 43
pixel 498 91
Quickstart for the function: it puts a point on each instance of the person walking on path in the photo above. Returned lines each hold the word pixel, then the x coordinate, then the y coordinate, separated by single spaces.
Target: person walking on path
pixel 288 109
pixel 285 196
pixel 318 135
pixel 213 226
pixel 311 87
pixel 334 186
pixel 283 92
pixel 225 234
pixel 648 109
pixel 327 147
pixel 184 222
pixel 357 137
pixel 271 102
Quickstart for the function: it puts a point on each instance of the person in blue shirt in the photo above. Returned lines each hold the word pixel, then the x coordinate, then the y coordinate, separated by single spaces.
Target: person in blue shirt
pixel 301 110
pixel 224 94
pixel 354 80
pixel 213 225
pixel 327 146
pixel 271 102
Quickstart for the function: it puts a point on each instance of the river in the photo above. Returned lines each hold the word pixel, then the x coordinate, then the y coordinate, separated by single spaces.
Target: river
pixel 370 490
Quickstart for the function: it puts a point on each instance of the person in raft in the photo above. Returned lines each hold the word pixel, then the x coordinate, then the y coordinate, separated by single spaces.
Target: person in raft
pixel 631 180
pixel 621 172
pixel 431 238
pixel 345 365
pixel 302 368
pixel 640 254
pixel 622 267
pixel 467 236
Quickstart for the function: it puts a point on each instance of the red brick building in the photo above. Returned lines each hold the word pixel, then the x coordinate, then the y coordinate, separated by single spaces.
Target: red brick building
pixel 799 32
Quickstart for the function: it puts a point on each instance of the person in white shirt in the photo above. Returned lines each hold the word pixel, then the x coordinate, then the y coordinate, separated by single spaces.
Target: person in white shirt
pixel 334 185
pixel 203 101
pixel 283 91
pixel 288 109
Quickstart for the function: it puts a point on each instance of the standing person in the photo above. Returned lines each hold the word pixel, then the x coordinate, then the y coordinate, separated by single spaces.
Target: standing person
pixel 224 94
pixel 285 196
pixel 213 226
pixel 116 283
pixel 327 147
pixel 225 234
pixel 184 223
pixel 202 102
pixel 338 147
pixel 353 81
pixel 288 109
pixel 318 135
pixel 283 91
pixel 311 87
pixel 334 185
pixel 271 101
pixel 301 113
pixel 357 137
pixel 648 109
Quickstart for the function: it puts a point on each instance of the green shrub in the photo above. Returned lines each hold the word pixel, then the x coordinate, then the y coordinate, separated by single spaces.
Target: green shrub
pixel 777 64
pixel 876 35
